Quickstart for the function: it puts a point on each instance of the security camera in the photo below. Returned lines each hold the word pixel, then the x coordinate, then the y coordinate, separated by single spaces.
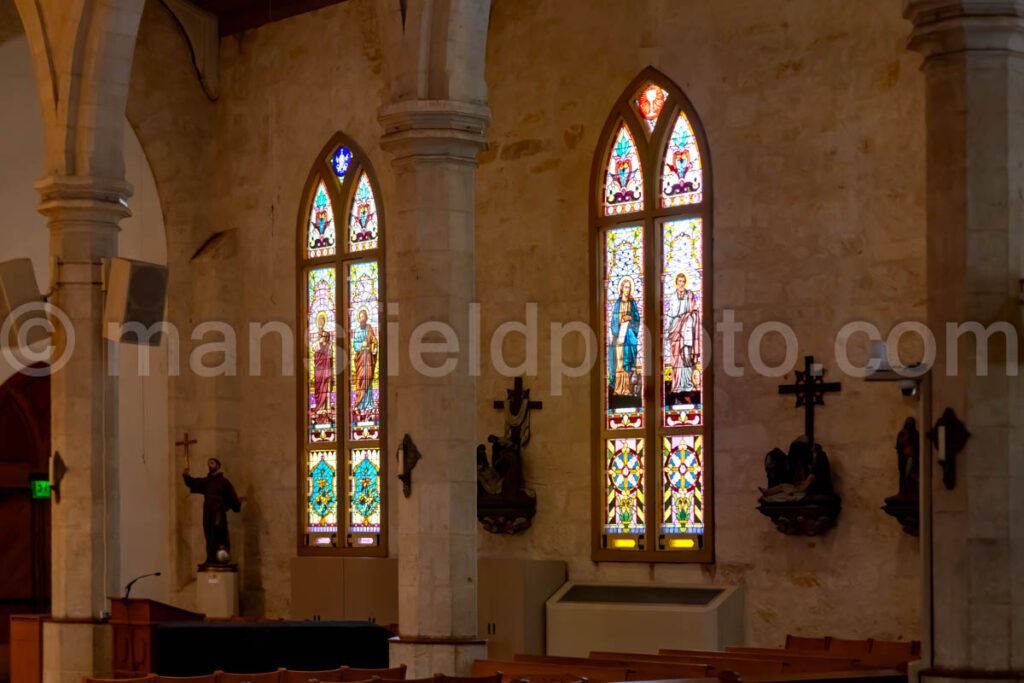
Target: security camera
pixel 908 387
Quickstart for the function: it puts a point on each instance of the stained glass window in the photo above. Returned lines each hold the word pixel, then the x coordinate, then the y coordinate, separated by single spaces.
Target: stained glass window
pixel 654 444
pixel 624 335
pixel 364 491
pixel 624 178
pixel 322 494
pixel 340 161
pixel 682 178
pixel 362 231
pixel 682 321
pixel 649 102
pixel 322 236
pixel 342 392
pixel 624 468
pixel 364 324
pixel 321 345
pixel 683 485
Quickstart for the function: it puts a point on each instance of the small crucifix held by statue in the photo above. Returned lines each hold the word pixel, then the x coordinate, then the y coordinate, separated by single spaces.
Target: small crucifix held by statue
pixel 219 497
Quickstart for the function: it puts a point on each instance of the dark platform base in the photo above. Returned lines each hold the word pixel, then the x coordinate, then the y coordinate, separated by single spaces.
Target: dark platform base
pixel 501 515
pixel 196 649
pixel 808 517
pixel 907 511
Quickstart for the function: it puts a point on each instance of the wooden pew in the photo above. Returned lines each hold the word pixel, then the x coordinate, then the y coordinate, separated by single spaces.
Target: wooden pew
pixel 801 643
pixel 894 649
pixel 866 661
pixel 843 646
pixel 749 661
pixel 546 673
pixel 648 670
pixel 720 661
pixel 879 676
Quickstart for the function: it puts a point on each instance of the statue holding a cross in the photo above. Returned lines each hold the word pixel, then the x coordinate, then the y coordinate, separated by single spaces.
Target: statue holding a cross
pixel 504 504
pixel 219 497
pixel 800 497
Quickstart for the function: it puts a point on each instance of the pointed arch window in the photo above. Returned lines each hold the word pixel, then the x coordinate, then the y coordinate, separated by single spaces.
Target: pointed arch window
pixel 341 391
pixel 653 465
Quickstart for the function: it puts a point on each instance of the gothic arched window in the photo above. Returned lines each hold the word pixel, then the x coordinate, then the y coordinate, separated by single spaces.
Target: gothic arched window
pixel 652 228
pixel 341 391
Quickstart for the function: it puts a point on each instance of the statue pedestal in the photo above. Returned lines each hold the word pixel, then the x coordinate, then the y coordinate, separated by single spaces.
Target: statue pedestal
pixel 217 592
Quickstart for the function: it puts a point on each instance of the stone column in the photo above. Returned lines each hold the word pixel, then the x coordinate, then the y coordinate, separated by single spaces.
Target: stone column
pixel 432 279
pixel 974 80
pixel 83 217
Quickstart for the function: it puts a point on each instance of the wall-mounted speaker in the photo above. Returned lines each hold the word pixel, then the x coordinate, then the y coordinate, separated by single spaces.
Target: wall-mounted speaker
pixel 17 288
pixel 136 302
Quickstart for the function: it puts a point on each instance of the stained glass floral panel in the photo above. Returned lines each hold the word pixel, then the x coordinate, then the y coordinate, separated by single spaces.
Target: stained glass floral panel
pixel 682 178
pixel 625 508
pixel 362 230
pixel 364 491
pixel 322 404
pixel 682 278
pixel 624 179
pixel 683 485
pixel 340 162
pixel 624 327
pixel 322 492
pixel 364 351
pixel 322 239
pixel 649 102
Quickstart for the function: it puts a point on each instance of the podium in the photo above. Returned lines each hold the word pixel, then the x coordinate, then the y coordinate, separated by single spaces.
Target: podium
pixel 135 622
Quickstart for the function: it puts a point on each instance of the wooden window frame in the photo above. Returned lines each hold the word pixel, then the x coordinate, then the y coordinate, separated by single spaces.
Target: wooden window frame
pixel 341 196
pixel 651 146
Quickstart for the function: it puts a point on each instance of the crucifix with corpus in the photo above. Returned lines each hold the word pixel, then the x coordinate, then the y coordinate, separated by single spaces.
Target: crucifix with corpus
pixel 810 388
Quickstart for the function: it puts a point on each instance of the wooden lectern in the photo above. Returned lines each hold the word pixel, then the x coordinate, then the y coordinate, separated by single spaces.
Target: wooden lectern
pixel 135 621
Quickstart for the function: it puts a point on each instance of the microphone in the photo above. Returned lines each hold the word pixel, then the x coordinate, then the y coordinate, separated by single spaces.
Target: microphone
pixel 128 588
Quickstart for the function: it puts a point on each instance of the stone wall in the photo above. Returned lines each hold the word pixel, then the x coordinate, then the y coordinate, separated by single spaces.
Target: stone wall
pixel 814 115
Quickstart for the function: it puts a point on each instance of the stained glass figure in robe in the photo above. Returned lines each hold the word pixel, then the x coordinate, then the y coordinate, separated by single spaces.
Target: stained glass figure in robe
pixel 682 336
pixel 683 485
pixel 364 312
pixel 624 179
pixel 340 162
pixel 624 338
pixel 649 102
pixel 321 237
pixel 364 491
pixel 363 224
pixel 320 341
pixel 322 492
pixel 625 484
pixel 682 179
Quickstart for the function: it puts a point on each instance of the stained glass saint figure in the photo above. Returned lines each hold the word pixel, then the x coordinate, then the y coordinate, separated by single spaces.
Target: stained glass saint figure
pixel 683 336
pixel 323 369
pixel 623 379
pixel 364 349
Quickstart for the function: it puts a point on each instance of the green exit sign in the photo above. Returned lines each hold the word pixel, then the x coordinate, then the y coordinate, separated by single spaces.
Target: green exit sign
pixel 40 489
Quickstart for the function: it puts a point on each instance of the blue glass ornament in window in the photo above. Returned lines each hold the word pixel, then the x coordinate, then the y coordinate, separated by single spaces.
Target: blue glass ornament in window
pixel 340 161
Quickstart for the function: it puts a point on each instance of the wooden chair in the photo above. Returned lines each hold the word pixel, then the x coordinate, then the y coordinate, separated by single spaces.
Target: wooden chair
pixel 801 643
pixel 350 675
pixel 267 677
pixel 326 676
pixel 148 678
pixel 208 678
pixel 843 646
pixel 892 648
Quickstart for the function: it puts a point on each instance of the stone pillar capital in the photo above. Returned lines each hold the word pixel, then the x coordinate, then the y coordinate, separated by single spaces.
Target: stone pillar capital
pixel 84 199
pixel 944 27
pixel 434 130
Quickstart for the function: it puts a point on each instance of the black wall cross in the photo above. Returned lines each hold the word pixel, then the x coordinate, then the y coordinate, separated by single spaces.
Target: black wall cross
pixel 809 389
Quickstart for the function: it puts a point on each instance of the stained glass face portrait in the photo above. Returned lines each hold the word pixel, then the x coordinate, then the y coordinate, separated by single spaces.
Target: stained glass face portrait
pixel 364 491
pixel 321 235
pixel 649 102
pixel 624 327
pixel 682 281
pixel 682 178
pixel 624 178
pixel 362 231
pixel 683 485
pixel 322 492
pixel 364 352
pixel 322 406
pixel 625 487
